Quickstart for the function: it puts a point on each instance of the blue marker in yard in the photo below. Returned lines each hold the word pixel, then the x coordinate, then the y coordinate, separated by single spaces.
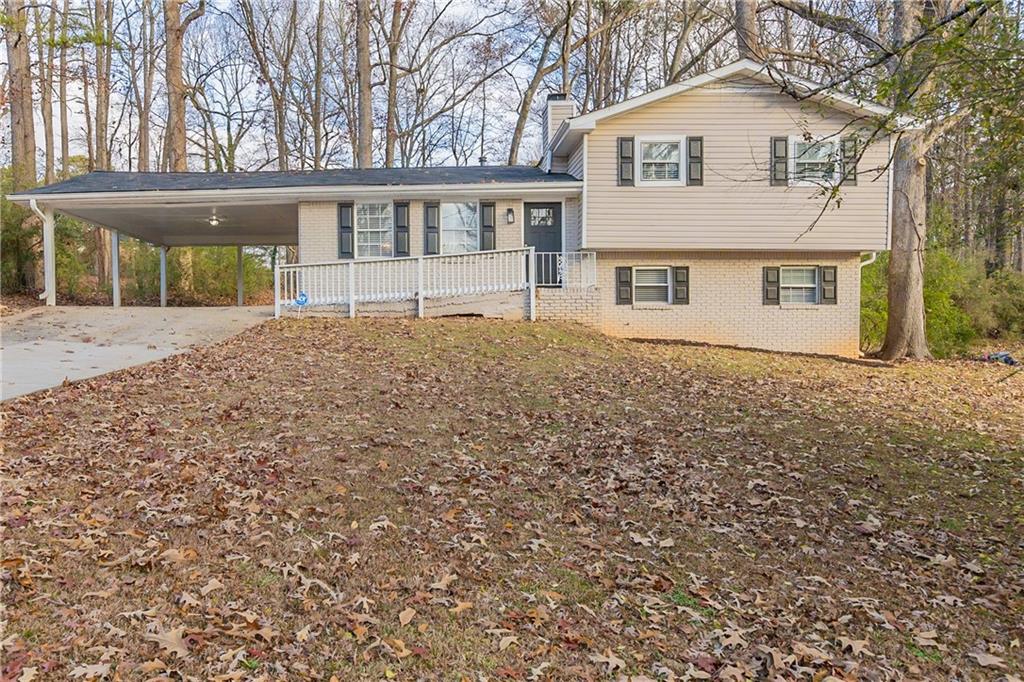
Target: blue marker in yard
pixel 302 299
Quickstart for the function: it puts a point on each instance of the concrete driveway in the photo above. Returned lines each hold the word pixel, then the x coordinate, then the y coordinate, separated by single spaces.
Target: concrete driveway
pixel 42 347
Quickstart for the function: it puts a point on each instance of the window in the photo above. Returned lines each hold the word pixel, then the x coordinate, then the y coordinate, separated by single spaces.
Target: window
pixel 374 231
pixel 460 227
pixel 814 163
pixel 659 160
pixel 650 285
pixel 542 216
pixel 798 284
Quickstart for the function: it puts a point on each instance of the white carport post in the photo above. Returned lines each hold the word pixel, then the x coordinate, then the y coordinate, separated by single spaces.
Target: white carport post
pixel 49 253
pixel 163 276
pixel 115 266
pixel 239 279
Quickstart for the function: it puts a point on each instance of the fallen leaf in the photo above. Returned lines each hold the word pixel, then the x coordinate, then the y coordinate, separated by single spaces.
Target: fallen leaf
pixel 986 660
pixel 171 641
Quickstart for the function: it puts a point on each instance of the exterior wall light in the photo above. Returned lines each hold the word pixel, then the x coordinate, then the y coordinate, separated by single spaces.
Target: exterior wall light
pixel 510 216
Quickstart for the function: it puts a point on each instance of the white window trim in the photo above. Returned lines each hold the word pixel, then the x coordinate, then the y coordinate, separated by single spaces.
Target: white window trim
pixel 816 286
pixel 638 153
pixel 355 226
pixel 791 161
pixel 668 286
pixel 440 223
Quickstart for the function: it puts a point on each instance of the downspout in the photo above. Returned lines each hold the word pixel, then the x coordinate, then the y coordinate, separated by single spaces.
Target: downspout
pixel 46 280
pixel 871 259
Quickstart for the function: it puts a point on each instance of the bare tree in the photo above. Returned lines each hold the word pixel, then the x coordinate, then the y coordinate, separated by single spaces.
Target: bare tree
pixel 45 38
pixel 364 145
pixel 19 94
pixel 748 37
pixel 272 30
pixel 174 29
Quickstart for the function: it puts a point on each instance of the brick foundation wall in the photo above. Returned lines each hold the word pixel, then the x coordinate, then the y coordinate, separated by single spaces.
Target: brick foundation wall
pixel 570 305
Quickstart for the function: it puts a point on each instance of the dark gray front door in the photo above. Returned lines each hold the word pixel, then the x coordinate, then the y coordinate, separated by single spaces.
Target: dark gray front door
pixel 543 231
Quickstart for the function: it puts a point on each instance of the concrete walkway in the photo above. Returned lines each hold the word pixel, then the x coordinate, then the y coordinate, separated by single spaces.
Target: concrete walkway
pixel 42 347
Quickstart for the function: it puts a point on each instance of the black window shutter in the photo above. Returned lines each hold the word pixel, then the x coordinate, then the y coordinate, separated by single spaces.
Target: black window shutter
pixel 681 285
pixel 431 228
pixel 626 161
pixel 849 157
pixel 346 238
pixel 771 286
pixel 487 234
pixel 401 229
pixel 827 284
pixel 695 161
pixel 780 161
pixel 623 286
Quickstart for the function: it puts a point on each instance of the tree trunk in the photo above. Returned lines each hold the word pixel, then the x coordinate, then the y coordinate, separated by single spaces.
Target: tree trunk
pixel 317 118
pixel 363 77
pixel 748 39
pixel 174 31
pixel 145 98
pixel 62 93
pixel 527 102
pixel 46 85
pixel 19 62
pixel 102 82
pixel 905 326
pixel 390 129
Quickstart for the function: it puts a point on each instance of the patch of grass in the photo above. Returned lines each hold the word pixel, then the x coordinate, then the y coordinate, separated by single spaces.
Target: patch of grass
pixel 928 655
pixel 681 598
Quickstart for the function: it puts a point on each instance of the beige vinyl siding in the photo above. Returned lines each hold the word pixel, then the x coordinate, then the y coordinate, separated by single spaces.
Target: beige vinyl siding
pixel 318 226
pixel 559 164
pixel 571 220
pixel 575 165
pixel 736 208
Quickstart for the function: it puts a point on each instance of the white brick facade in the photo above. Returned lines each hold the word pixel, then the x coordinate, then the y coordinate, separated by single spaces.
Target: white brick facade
pixel 725 305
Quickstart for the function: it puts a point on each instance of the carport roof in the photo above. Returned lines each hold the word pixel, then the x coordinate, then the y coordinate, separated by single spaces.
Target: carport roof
pixel 174 209
pixel 107 181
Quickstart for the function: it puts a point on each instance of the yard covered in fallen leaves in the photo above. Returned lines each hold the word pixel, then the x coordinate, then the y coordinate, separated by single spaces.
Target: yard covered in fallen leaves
pixel 482 500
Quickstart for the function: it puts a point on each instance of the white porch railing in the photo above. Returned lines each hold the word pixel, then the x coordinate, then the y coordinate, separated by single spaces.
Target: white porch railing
pixel 568 270
pixel 351 282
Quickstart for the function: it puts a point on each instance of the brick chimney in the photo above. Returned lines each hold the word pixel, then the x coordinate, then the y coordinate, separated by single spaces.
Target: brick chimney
pixel 557 109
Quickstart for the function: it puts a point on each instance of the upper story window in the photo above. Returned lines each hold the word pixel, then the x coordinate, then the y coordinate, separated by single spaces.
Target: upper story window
pixel 375 230
pixel 815 162
pixel 798 284
pixel 460 227
pixel 660 160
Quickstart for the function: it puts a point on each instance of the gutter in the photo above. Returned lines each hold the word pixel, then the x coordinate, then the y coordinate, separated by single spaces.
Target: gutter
pixel 35 209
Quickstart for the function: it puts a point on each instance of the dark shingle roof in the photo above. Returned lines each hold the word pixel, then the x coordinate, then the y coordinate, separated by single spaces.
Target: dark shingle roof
pixel 104 181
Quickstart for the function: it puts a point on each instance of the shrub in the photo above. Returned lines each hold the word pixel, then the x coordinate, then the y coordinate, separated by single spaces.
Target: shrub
pixel 958 300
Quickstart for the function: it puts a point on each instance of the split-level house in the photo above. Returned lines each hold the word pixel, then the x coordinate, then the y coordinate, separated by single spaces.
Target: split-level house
pixel 719 209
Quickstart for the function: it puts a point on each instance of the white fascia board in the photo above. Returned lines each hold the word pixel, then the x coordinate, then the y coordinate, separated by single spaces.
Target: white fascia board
pixel 290 195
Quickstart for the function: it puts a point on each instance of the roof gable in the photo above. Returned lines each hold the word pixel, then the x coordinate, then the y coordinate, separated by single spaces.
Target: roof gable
pixel 744 70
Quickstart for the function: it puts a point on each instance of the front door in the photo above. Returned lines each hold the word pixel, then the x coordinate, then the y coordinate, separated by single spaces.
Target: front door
pixel 543 231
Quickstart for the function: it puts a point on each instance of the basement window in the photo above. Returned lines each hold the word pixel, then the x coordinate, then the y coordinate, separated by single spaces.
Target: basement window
pixel 798 284
pixel 650 285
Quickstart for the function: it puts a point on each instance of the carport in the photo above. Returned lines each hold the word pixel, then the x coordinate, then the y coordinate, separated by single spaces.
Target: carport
pixel 168 210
